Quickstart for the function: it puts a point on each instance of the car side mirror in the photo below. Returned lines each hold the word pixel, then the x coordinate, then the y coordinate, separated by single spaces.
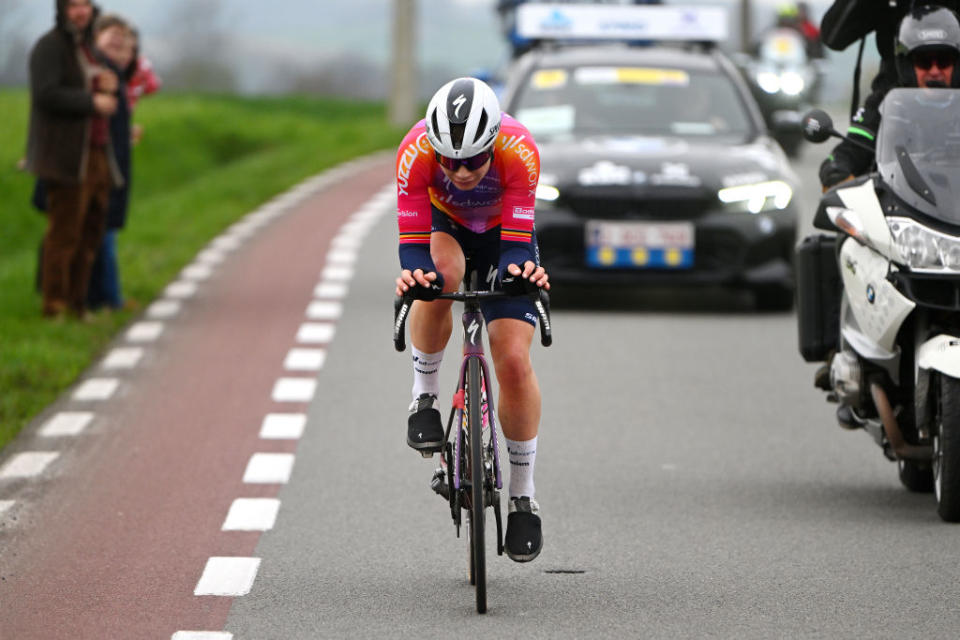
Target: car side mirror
pixel 817 126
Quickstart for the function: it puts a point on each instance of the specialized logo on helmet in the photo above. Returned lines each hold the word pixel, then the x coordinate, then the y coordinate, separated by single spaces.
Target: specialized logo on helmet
pixel 459 102
pixel 932 34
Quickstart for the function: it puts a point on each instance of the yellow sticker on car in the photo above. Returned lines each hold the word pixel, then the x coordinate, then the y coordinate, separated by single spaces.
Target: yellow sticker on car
pixel 632 75
pixel 549 79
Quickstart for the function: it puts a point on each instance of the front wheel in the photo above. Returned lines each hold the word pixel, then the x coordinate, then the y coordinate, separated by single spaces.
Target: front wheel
pixel 478 570
pixel 946 451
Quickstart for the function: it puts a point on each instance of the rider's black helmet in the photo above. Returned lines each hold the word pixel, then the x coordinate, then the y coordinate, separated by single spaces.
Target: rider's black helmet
pixel 924 28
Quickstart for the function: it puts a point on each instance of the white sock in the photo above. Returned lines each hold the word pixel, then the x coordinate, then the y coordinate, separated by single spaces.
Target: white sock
pixel 522 456
pixel 426 372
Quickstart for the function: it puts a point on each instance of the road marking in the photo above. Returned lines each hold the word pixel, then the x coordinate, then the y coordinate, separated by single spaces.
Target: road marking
pixel 199 271
pixel 324 310
pixel 226 243
pixel 344 241
pixel 181 289
pixel 163 309
pixel 294 389
pixel 252 514
pixel 330 290
pixel 315 332
pixel 145 331
pixel 202 635
pixel 283 426
pixel 305 360
pixel 5 505
pixel 27 465
pixel 356 228
pixel 123 357
pixel 337 272
pixel 211 256
pixel 342 256
pixel 268 468
pixel 66 423
pixel 96 389
pixel 227 577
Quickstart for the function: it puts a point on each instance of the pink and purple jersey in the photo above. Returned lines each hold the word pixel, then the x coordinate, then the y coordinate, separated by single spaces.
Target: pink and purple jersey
pixel 505 197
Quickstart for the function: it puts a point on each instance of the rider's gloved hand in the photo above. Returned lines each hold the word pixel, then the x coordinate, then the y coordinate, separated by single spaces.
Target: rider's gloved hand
pixel 427 293
pixel 833 173
pixel 514 281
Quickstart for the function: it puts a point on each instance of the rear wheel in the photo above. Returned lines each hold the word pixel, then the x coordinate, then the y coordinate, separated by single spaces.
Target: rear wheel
pixel 475 529
pixel 946 451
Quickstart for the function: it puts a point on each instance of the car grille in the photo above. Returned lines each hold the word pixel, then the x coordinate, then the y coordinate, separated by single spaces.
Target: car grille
pixel 639 208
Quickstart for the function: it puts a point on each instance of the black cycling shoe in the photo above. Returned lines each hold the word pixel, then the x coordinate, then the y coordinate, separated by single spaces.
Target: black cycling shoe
pixel 524 540
pixel 424 427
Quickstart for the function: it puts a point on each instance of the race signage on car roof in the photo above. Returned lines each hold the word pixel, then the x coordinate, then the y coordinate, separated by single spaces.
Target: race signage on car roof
pixel 622 22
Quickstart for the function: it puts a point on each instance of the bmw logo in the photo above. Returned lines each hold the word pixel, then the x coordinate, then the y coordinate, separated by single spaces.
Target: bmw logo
pixel 871 294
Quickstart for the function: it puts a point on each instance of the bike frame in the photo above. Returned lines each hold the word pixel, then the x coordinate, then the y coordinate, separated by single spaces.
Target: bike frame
pixel 473 348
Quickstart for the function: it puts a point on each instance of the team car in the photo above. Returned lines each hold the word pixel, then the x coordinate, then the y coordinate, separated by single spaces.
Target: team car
pixel 656 169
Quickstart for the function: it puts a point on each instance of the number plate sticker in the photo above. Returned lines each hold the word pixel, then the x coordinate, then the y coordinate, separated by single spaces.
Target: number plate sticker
pixel 639 245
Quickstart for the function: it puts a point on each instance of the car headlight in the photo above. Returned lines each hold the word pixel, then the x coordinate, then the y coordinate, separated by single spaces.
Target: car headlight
pixel 768 81
pixel 547 192
pixel 772 194
pixel 792 83
pixel 924 249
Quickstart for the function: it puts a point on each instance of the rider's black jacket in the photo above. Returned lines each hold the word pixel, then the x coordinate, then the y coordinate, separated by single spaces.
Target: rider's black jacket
pixel 845 22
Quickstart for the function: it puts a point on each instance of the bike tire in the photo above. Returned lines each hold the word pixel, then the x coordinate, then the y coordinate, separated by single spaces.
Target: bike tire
pixel 474 417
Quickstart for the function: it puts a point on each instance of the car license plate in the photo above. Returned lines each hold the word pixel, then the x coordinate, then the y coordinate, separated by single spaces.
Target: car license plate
pixel 639 245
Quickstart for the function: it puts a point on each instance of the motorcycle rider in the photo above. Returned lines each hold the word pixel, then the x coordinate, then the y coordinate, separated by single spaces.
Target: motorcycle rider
pixel 926 51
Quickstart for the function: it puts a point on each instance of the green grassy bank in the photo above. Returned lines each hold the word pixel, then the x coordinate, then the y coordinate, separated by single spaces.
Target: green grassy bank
pixel 203 163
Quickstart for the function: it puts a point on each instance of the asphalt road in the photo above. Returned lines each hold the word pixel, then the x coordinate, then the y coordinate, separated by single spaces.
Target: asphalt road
pixel 687 470
pixel 693 483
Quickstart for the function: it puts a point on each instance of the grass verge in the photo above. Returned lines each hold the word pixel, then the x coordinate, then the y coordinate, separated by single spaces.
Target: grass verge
pixel 204 162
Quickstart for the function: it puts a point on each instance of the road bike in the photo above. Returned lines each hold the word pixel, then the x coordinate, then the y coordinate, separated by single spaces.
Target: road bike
pixel 469 475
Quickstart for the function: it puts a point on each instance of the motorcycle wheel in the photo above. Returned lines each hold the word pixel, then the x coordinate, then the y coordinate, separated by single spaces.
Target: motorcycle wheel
pixel 946 451
pixel 916 476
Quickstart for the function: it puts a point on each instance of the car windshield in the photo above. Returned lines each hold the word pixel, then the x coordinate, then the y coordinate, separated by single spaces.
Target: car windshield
pixel 918 149
pixel 644 101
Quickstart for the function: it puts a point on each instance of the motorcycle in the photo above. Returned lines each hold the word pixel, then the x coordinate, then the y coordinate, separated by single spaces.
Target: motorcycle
pixel 879 300
pixel 784 82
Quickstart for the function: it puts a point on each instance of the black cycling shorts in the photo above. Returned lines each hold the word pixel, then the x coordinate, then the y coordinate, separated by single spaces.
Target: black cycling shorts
pixel 483 252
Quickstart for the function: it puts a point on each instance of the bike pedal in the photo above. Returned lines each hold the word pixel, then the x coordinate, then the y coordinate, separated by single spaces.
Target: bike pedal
pixel 427 453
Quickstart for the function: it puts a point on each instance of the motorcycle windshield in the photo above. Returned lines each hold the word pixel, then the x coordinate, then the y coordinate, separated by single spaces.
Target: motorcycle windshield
pixel 918 150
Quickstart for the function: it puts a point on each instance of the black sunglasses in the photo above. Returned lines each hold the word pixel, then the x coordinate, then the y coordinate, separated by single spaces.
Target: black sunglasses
pixel 942 59
pixel 472 163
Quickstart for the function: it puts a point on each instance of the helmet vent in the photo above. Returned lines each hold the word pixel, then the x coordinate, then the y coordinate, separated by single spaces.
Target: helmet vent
pixel 456 135
pixel 482 127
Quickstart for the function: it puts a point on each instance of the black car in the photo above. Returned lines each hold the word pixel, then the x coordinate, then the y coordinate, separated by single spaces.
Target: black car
pixel 656 169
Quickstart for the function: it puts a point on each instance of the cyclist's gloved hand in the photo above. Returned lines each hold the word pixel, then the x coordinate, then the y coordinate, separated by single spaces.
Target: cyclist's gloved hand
pixel 420 292
pixel 516 285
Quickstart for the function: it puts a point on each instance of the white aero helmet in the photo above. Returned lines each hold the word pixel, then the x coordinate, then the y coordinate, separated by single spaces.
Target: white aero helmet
pixel 463 118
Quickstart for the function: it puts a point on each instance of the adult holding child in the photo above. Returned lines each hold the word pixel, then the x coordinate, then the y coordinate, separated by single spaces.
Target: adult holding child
pixel 72 97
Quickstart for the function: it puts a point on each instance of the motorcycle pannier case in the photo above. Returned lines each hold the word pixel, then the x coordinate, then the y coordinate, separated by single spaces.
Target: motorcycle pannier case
pixel 818 296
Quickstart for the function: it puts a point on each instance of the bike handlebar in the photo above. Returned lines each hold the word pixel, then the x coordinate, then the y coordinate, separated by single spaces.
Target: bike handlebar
pixel 540 299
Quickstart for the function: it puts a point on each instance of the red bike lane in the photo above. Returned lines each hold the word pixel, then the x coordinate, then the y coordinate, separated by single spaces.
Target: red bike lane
pixel 112 541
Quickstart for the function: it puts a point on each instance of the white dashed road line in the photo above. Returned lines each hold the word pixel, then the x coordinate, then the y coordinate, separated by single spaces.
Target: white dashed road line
pixel 201 635
pixel 28 464
pixel 324 310
pixel 330 290
pixel 269 468
pixel 163 309
pixel 66 423
pixel 96 389
pixel 304 360
pixel 227 577
pixel 283 426
pixel 315 333
pixel 181 289
pixel 123 358
pixel 294 389
pixel 252 514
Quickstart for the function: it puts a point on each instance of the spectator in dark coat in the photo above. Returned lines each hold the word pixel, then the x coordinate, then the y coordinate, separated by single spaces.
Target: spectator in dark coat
pixel 68 147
